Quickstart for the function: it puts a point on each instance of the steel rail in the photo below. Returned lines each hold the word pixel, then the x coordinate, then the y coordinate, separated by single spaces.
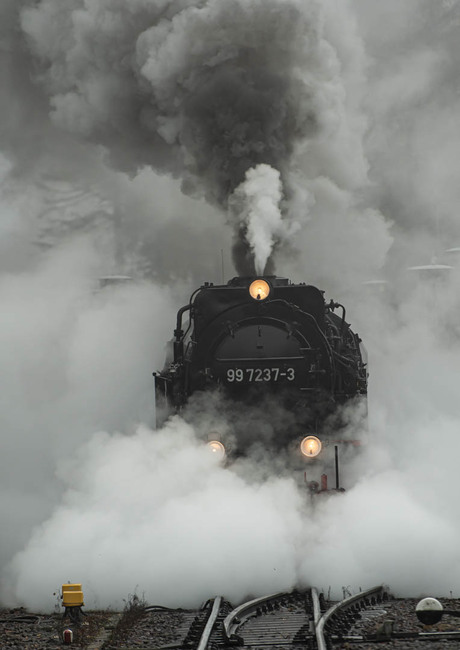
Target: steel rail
pixel 316 606
pixel 376 592
pixel 241 613
pixel 204 640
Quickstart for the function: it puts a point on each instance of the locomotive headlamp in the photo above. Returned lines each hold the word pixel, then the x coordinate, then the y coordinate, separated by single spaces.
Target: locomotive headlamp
pixel 310 446
pixel 217 449
pixel 259 289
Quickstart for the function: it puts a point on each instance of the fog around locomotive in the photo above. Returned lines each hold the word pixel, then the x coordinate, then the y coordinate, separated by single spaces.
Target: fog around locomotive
pixel 80 498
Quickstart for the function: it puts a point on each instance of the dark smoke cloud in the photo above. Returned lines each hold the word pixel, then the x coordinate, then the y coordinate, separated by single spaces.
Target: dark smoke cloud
pixel 203 90
pixel 55 185
pixel 193 82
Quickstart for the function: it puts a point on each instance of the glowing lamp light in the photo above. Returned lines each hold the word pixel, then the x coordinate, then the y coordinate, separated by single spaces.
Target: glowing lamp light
pixel 310 446
pixel 259 289
pixel 217 449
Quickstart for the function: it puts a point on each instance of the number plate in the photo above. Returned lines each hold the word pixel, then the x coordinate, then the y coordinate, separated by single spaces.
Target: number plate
pixel 251 375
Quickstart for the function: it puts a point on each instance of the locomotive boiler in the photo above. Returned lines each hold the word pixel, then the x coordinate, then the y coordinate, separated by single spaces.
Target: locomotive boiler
pixel 284 363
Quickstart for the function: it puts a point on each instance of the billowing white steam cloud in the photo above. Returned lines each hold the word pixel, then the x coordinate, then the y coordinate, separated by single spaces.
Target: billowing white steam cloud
pixel 160 502
pixel 328 93
pixel 257 202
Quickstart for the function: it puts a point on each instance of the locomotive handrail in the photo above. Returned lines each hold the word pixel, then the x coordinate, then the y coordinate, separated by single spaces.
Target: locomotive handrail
pixel 333 305
pixel 178 332
pixel 182 310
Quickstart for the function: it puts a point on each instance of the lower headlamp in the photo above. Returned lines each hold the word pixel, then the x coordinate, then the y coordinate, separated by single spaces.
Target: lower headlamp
pixel 217 449
pixel 310 446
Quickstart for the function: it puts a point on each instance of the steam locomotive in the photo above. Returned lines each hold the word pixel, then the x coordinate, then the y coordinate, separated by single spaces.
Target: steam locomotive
pixel 284 369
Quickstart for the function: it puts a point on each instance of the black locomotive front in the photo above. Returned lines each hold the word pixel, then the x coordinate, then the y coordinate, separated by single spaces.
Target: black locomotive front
pixel 263 338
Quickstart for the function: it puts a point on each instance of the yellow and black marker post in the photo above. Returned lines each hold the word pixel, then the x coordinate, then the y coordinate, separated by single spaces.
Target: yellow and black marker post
pixel 72 600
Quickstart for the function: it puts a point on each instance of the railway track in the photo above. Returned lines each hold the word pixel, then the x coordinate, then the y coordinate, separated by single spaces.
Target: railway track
pixel 297 620
pixel 302 620
pixel 279 620
pixel 288 621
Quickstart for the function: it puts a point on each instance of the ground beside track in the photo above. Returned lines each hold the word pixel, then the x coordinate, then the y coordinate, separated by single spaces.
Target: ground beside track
pixel 134 628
